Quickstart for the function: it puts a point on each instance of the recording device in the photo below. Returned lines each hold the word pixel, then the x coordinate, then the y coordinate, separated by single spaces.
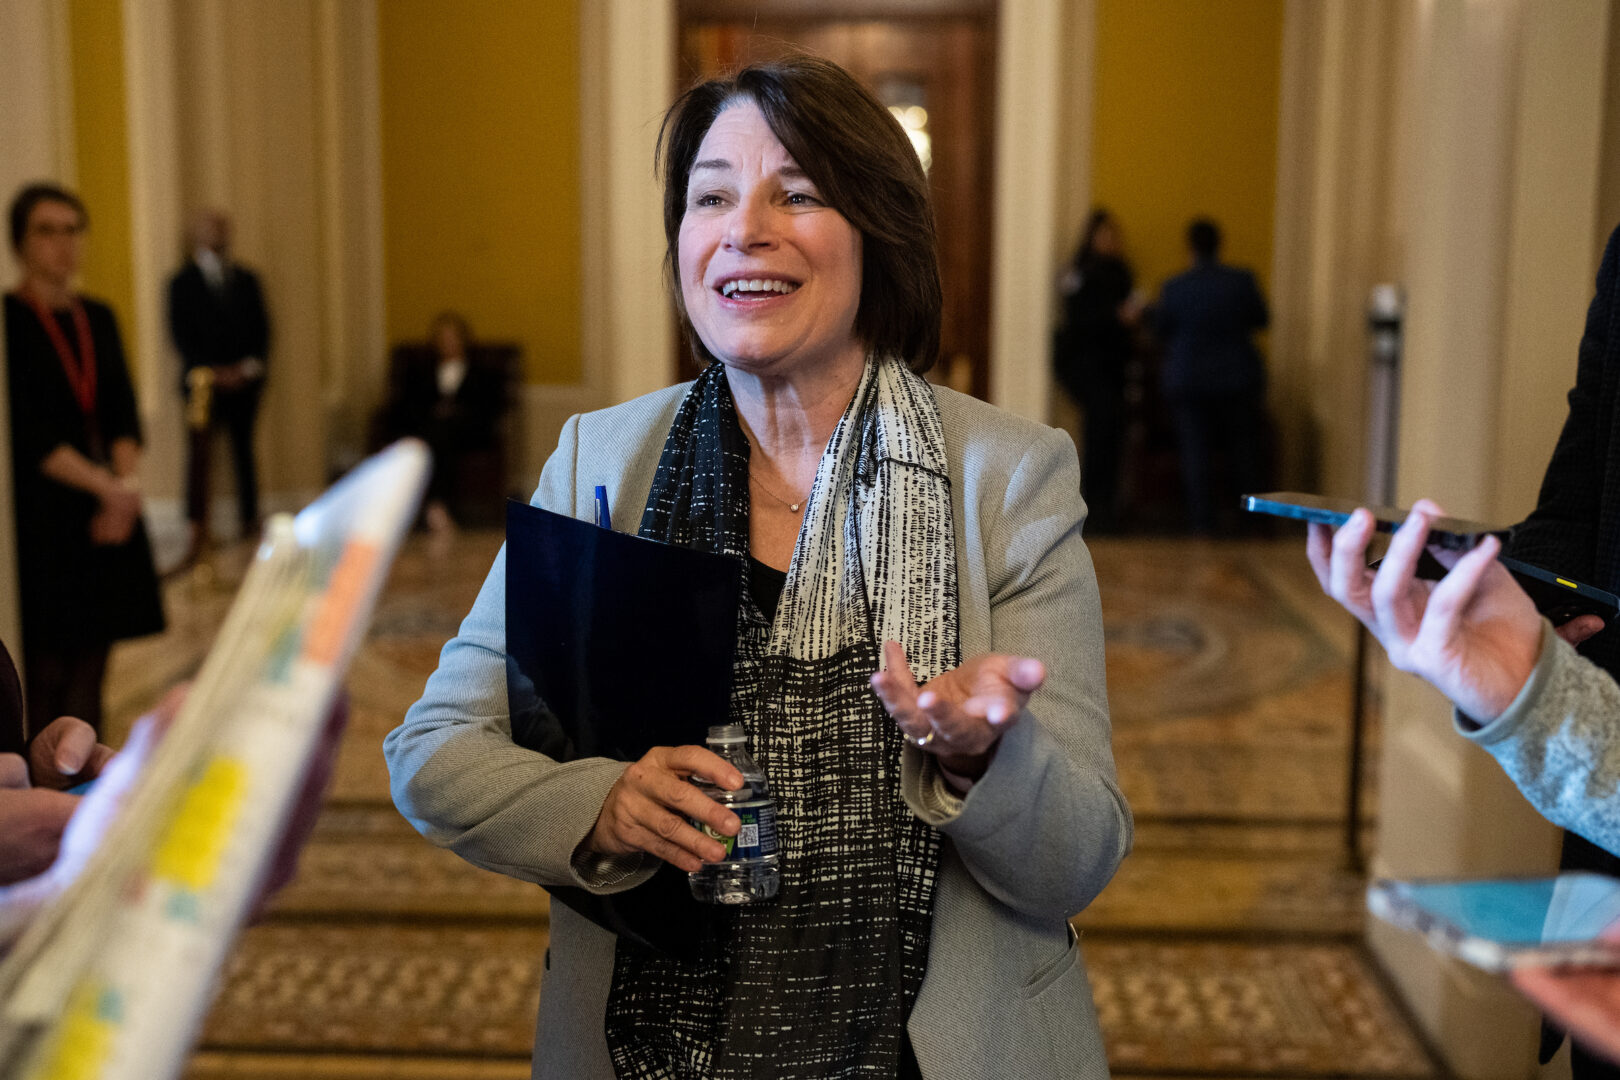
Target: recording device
pixel 1557 597
pixel 1504 924
pixel 1454 534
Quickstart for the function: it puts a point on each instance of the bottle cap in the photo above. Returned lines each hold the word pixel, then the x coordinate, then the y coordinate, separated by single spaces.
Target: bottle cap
pixel 727 733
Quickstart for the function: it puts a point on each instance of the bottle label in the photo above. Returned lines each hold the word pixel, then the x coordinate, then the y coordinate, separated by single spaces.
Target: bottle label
pixel 756 838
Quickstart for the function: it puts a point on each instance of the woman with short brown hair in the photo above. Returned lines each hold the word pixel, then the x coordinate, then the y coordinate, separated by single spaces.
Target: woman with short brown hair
pixel 934 839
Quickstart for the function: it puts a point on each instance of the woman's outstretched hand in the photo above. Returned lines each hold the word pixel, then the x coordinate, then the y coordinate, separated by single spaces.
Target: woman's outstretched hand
pixel 1474 634
pixel 652 804
pixel 960 715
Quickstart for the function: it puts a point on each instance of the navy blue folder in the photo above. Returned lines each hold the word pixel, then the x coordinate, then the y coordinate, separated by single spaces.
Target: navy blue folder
pixel 614 645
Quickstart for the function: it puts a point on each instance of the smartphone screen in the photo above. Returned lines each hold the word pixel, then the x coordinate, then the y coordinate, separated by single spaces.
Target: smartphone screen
pixel 1534 911
pixel 1499 924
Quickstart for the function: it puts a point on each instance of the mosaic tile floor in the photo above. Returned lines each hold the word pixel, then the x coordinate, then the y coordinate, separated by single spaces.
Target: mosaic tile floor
pixel 1228 945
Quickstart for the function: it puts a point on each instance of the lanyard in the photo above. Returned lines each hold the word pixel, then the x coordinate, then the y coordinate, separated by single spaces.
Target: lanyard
pixel 80 370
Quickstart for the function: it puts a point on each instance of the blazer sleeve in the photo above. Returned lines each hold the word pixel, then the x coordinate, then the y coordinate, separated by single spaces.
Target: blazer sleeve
pixel 458 777
pixel 1561 532
pixel 1046 826
pixel 1557 743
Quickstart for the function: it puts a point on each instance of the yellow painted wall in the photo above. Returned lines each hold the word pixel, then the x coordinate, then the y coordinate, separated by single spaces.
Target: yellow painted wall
pixel 480 152
pixel 101 149
pixel 1186 125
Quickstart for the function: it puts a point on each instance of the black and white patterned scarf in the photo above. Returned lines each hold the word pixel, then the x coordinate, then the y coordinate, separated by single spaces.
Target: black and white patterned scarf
pixel 818 983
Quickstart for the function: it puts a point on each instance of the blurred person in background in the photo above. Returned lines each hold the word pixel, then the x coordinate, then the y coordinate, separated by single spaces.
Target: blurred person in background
pixel 452 403
pixel 1213 376
pixel 1090 354
pixel 83 558
pixel 222 332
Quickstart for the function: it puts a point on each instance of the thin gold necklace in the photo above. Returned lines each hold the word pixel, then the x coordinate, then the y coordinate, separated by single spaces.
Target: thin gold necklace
pixel 793 506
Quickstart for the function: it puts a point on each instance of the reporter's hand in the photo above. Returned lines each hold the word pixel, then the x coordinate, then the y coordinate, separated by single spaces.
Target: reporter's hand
pixel 965 709
pixel 649 807
pixel 1584 1003
pixel 115 521
pixel 66 754
pixel 228 377
pixel 1579 628
pixel 31 824
pixel 1474 635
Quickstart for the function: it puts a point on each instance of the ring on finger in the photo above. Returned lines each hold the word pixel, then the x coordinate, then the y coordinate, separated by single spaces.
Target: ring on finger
pixel 921 741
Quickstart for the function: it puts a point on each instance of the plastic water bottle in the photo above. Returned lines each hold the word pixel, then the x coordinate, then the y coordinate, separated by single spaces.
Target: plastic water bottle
pixel 750 871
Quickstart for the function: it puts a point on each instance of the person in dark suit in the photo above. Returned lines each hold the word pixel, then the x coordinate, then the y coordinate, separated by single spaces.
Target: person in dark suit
pixel 1213 376
pixel 222 332
pixel 1575 531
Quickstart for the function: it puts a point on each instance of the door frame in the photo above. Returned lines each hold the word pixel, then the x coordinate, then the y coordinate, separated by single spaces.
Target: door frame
pixel 628 52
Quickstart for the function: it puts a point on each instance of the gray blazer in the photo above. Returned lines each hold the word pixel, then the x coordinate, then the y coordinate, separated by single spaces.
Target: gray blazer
pixel 1032 843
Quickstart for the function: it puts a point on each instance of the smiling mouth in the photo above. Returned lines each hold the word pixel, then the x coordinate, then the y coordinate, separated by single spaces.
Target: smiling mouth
pixel 756 288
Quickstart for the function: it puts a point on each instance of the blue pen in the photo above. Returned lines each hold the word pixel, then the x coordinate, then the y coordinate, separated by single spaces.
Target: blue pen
pixel 604 519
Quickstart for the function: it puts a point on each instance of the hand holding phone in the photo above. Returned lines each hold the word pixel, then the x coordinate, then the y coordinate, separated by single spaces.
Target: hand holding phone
pixel 1557 596
pixel 1475 636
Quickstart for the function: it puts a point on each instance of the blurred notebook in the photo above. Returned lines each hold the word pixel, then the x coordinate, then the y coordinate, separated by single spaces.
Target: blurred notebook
pixel 111 979
pixel 616 644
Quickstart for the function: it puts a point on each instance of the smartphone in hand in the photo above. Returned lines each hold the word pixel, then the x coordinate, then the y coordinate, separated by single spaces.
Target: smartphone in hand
pixel 1456 534
pixel 1503 924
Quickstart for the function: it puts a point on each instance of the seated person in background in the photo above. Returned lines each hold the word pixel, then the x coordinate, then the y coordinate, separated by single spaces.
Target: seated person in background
pixel 449 402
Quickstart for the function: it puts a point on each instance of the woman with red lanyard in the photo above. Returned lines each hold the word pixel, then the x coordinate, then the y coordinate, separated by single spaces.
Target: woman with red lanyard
pixel 83 559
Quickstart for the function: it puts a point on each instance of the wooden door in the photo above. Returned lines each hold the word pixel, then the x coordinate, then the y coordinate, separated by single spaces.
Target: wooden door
pixel 938 57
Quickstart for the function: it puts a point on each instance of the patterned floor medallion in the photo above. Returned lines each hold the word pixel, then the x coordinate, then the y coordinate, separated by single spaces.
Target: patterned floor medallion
pixel 1228 944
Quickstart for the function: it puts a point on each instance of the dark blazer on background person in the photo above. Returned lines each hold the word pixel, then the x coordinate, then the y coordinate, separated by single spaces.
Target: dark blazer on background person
pixel 217 327
pixel 1207 317
pixel 1094 344
pixel 1575 529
